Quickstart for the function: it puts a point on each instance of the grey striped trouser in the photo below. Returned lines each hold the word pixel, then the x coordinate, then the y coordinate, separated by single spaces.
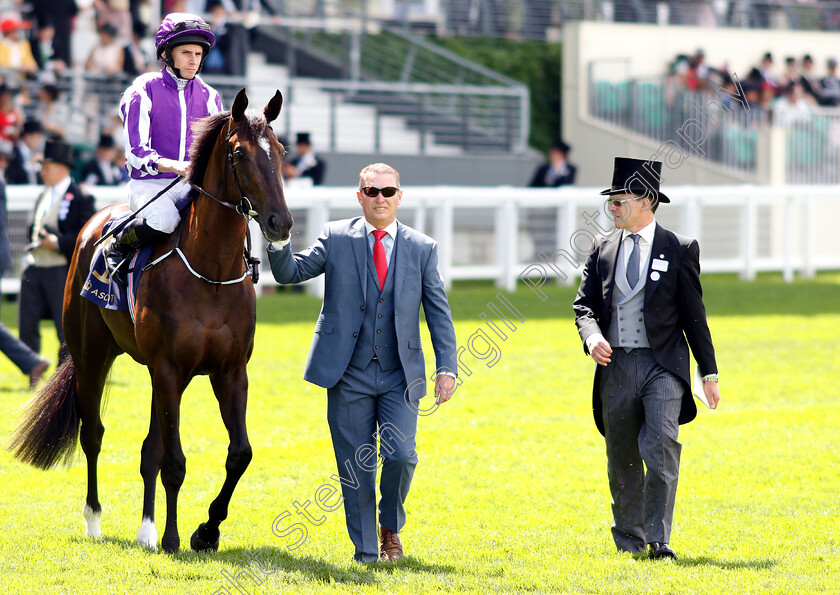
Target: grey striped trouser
pixel 641 406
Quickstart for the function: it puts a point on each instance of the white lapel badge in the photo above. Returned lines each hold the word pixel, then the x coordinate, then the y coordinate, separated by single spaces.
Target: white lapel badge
pixel 659 265
pixel 654 276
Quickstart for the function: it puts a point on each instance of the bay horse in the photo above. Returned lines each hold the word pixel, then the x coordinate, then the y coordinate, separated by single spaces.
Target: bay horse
pixel 185 325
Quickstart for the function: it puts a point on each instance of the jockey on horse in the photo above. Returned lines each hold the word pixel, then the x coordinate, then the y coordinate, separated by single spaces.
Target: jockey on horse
pixel 157 111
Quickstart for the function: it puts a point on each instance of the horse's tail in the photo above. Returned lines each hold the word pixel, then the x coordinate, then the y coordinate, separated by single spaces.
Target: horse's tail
pixel 49 428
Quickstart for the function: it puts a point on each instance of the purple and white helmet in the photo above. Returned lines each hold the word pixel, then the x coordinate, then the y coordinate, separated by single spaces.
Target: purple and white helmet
pixel 180 28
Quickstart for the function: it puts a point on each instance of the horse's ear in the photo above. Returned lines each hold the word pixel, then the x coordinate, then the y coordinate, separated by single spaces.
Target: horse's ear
pixel 239 106
pixel 272 108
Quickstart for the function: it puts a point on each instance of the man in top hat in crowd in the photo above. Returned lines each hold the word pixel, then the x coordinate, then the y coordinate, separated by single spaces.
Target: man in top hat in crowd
pixel 639 300
pixel 557 171
pixel 306 164
pixel 102 170
pixel 60 212
pixel 24 165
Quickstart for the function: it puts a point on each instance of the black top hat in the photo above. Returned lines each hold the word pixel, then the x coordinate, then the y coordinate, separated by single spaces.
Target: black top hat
pixel 639 177
pixel 106 141
pixel 560 146
pixel 303 139
pixel 59 152
pixel 32 126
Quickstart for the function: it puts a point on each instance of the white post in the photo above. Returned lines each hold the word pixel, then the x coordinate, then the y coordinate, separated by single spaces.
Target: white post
pixel 808 267
pixel 787 243
pixel 507 240
pixel 445 237
pixel 420 217
pixel 317 215
pixel 748 234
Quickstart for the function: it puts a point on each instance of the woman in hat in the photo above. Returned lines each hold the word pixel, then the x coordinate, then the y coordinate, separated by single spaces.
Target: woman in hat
pixel 157 111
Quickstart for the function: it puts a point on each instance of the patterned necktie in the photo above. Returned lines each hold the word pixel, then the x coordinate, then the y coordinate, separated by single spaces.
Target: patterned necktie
pixel 379 260
pixel 633 262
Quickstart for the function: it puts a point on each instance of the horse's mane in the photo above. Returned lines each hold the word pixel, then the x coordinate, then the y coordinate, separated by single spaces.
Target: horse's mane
pixel 206 131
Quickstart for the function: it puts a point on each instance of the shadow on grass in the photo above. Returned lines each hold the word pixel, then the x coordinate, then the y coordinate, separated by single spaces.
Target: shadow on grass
pixel 727 565
pixel 266 561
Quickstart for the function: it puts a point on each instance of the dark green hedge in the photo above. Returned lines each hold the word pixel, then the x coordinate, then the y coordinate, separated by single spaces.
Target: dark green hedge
pixel 534 63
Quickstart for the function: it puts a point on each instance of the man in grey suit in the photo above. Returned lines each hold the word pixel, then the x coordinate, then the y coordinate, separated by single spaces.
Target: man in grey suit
pixel 639 300
pixel 367 351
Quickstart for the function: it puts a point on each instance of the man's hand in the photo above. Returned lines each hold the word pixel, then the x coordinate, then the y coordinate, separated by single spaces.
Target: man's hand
pixel 444 388
pixel 601 352
pixel 712 393
pixel 48 240
pixel 182 168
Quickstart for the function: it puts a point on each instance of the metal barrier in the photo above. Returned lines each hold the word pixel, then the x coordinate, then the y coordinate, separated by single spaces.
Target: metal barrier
pixel 506 234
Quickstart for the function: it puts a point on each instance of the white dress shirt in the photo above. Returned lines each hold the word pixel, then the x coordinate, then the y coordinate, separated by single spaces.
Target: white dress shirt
pixel 387 239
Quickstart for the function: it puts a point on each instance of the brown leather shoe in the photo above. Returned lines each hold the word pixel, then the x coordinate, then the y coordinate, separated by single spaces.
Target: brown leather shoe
pixel 390 547
pixel 37 371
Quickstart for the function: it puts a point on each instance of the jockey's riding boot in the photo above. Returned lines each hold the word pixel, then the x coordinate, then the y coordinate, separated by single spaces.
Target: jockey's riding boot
pixel 132 236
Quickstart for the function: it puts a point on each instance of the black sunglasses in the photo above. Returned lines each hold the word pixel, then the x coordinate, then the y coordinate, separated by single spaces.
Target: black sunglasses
pixel 373 191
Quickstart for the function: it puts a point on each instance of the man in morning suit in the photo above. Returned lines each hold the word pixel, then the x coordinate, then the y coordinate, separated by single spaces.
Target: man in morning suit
pixel 60 212
pixel 367 352
pixel 639 300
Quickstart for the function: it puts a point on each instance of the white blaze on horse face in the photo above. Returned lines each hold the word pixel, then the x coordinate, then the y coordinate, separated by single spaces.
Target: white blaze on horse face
pixel 92 520
pixel 265 146
pixel 147 536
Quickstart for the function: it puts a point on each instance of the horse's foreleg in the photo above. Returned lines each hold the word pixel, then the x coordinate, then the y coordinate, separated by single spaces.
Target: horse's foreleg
pixel 232 393
pixel 150 460
pixel 167 388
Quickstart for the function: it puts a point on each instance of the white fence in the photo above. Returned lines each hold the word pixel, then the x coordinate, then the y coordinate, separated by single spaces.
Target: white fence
pixel 505 233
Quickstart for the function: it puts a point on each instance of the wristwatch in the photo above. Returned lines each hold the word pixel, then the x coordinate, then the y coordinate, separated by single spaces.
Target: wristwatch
pixel 710 378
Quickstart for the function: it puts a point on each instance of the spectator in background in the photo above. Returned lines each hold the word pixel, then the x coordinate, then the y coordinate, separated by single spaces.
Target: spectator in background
pixel 305 164
pixel 135 59
pixel 791 107
pixel 764 72
pixel 557 171
pixel 11 116
pixel 15 51
pixel 6 149
pixel 59 214
pixel 217 61
pixel 107 57
pixel 54 113
pixel 791 74
pixel 24 166
pixel 29 362
pixel 102 170
pixel 830 86
pixel 59 15
pixel 810 83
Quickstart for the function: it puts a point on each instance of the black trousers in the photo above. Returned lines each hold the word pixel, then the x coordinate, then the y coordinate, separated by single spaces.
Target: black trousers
pixel 41 297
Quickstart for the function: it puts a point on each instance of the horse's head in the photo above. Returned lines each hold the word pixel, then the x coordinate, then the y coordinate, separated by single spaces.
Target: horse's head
pixel 255 156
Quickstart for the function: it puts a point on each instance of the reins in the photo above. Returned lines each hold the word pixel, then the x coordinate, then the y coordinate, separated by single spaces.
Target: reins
pixel 243 207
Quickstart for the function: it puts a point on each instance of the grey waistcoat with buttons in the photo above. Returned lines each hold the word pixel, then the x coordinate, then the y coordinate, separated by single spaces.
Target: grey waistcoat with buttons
pixel 378 335
pixel 627 327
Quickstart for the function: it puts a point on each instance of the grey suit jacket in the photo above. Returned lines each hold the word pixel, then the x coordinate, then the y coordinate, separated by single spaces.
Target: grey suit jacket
pixel 341 254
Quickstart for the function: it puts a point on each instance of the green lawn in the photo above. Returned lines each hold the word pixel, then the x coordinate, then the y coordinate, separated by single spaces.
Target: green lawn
pixel 510 493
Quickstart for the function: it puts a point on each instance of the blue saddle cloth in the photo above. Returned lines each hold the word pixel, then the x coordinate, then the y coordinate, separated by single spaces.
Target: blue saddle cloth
pixel 104 291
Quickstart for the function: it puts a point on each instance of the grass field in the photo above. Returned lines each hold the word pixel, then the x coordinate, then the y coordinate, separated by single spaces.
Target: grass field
pixel 510 493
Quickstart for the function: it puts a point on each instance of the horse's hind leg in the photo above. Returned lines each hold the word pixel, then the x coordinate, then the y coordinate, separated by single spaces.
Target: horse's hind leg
pixel 150 460
pixel 93 350
pixel 232 392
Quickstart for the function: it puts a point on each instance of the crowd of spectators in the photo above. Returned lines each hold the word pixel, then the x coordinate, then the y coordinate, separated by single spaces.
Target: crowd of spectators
pixel 782 96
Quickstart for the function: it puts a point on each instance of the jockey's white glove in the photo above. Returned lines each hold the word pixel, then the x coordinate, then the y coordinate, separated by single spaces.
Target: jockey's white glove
pixel 279 245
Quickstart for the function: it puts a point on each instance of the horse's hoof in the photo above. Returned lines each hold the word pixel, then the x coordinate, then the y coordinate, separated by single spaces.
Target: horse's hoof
pixel 92 521
pixel 200 544
pixel 147 536
pixel 170 546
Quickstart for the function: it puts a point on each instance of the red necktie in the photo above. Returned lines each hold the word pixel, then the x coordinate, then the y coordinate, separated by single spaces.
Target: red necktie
pixel 379 260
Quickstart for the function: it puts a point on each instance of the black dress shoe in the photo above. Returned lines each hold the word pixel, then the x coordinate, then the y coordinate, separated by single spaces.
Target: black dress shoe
pixel 661 550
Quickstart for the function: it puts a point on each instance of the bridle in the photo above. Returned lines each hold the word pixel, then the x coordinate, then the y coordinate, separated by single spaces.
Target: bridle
pixel 243 207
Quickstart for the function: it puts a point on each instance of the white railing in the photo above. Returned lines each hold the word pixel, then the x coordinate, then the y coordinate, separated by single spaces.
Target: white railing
pixel 506 234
